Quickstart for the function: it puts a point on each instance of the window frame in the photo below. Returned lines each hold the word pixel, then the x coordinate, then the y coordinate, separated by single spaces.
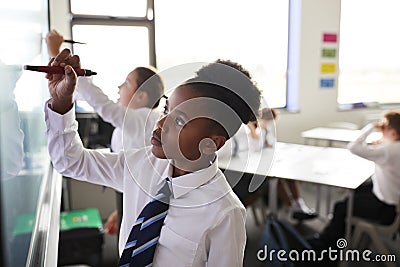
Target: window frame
pixel 146 21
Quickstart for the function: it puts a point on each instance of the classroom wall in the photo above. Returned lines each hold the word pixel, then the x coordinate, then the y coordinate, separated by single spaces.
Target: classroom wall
pixel 317 107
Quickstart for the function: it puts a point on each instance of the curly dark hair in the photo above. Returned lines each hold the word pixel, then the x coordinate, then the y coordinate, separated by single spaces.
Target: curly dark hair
pixel 229 83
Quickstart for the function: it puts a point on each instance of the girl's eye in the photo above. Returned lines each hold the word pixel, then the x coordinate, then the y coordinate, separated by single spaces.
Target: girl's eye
pixel 179 122
pixel 165 111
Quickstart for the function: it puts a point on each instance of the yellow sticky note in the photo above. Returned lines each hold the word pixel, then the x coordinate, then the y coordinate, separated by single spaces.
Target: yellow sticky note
pixel 328 68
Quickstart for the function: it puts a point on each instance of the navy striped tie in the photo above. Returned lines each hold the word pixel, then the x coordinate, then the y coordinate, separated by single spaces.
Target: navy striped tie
pixel 143 238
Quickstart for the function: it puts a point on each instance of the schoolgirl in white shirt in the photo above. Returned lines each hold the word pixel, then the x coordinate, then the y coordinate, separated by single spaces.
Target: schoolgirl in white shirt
pixel 374 201
pixel 135 114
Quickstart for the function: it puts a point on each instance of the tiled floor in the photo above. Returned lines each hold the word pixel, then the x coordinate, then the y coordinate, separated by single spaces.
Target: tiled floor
pixel 254 232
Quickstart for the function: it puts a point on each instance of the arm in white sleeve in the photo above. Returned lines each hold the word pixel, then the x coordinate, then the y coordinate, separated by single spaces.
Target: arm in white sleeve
pixel 11 140
pixel 108 110
pixel 227 240
pixel 360 147
pixel 71 159
pixel 257 144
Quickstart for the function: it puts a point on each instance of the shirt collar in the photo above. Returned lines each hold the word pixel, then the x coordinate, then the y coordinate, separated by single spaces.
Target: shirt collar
pixel 184 184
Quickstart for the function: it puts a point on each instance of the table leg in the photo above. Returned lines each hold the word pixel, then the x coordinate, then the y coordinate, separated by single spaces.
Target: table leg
pixel 328 200
pixel 318 199
pixel 349 215
pixel 273 196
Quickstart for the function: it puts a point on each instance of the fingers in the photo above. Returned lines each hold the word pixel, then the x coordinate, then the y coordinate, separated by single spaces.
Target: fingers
pixel 51 61
pixel 74 61
pixel 70 76
pixel 111 226
pixel 54 34
pixel 61 57
pixel 66 58
pixel 48 75
pixel 111 229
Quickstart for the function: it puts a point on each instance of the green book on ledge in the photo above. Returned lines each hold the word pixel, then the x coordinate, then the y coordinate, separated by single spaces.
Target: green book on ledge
pixel 89 218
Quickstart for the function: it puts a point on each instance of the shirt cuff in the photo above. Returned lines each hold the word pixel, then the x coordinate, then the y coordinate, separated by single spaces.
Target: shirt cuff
pixel 367 130
pixel 81 86
pixel 56 121
pixel 84 81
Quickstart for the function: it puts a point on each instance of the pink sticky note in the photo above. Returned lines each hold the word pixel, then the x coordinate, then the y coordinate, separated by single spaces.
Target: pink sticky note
pixel 330 37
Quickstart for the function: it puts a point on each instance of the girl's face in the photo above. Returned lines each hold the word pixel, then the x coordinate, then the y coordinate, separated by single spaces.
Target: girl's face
pixel 184 134
pixel 128 89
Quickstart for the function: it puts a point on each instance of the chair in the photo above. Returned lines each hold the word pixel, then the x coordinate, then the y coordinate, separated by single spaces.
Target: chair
pixel 364 228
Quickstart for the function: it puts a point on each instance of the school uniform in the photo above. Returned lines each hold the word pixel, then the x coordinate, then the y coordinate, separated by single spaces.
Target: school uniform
pixel 242 142
pixel 205 224
pixel 133 127
pixel 374 201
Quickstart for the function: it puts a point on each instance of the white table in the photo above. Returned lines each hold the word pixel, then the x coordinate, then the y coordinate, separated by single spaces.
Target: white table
pixel 313 164
pixel 329 135
pixel 336 135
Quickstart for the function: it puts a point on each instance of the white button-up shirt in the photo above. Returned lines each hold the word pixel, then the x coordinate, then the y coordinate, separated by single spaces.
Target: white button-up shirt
pixel 386 180
pixel 133 127
pixel 205 225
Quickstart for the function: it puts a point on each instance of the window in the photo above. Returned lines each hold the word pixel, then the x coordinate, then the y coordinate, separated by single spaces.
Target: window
pixel 369 61
pixel 116 8
pixel 129 49
pixel 253 33
pixel 119 36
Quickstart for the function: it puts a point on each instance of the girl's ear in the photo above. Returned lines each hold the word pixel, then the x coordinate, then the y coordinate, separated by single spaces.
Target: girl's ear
pixel 141 99
pixel 393 134
pixel 143 96
pixel 209 146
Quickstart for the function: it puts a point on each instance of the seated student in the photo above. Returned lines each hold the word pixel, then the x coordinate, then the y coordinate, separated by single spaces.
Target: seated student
pixel 376 201
pixel 263 132
pixel 200 221
pixel 134 116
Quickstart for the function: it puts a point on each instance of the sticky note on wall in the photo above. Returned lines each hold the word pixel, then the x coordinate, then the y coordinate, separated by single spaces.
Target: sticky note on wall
pixel 327 83
pixel 328 68
pixel 329 37
pixel 329 53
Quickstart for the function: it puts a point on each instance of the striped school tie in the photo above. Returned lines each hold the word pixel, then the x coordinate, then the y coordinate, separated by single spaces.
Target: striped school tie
pixel 143 238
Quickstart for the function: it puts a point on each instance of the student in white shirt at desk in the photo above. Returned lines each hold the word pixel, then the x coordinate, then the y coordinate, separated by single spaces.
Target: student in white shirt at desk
pixel 134 116
pixel 205 221
pixel 261 135
pixel 376 201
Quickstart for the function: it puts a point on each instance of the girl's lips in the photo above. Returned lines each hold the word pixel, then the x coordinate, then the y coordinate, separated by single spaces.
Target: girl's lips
pixel 155 140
